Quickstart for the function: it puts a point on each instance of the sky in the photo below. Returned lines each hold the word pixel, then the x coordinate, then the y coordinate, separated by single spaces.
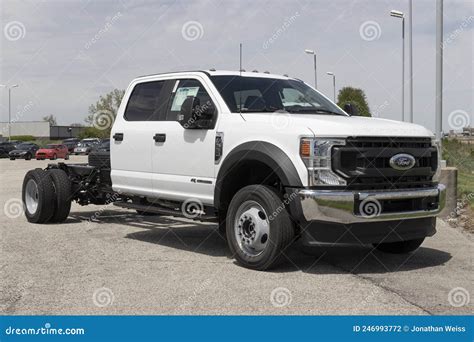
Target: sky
pixel 64 54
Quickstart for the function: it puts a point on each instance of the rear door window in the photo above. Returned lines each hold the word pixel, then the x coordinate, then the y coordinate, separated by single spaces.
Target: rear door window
pixel 147 102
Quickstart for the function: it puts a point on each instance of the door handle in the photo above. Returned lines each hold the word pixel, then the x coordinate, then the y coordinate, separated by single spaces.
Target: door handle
pixel 159 137
pixel 118 136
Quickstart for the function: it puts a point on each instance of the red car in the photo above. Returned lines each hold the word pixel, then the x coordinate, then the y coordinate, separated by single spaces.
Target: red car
pixel 53 151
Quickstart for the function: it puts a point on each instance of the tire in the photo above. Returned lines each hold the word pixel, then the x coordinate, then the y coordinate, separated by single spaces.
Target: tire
pixel 66 157
pixel 38 196
pixel 221 229
pixel 54 157
pixel 12 158
pixel 63 195
pixel 401 247
pixel 257 240
pixel 28 157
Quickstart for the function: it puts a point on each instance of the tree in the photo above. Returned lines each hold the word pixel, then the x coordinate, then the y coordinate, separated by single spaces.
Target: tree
pixel 51 119
pixel 355 96
pixel 102 114
pixel 92 132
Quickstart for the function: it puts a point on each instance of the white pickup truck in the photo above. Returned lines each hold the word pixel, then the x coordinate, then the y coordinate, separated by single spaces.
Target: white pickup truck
pixel 267 157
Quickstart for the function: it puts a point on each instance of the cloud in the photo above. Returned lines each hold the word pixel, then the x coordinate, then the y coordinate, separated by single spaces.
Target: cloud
pixel 73 51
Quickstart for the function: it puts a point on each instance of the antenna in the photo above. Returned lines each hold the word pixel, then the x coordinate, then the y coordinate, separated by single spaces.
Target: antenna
pixel 240 82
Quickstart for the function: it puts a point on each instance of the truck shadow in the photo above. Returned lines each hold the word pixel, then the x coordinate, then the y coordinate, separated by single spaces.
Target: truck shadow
pixel 203 237
pixel 179 233
pixel 359 259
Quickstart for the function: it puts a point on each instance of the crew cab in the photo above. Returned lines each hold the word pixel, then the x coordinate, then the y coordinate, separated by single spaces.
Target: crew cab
pixel 267 157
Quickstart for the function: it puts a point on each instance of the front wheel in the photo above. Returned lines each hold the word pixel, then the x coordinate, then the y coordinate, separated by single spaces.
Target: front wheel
pixel 401 247
pixel 259 228
pixel 28 157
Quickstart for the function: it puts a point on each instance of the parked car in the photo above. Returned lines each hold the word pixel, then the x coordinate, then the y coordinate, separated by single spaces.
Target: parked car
pixel 5 148
pixel 24 151
pixel 53 151
pixel 104 146
pixel 85 146
pixel 267 157
pixel 16 142
pixel 71 143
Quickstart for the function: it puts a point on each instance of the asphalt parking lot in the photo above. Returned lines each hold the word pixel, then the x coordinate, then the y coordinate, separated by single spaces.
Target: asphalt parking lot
pixel 107 260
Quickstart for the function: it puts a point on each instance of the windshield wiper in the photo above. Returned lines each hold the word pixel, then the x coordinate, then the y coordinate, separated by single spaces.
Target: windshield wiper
pixel 328 111
pixel 314 110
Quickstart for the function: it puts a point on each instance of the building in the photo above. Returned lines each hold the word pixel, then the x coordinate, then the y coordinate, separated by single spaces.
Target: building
pixel 39 129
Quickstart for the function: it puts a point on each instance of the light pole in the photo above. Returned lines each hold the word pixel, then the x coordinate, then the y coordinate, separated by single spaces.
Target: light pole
pixel 410 61
pixel 439 70
pixel 330 73
pixel 311 52
pixel 9 108
pixel 398 14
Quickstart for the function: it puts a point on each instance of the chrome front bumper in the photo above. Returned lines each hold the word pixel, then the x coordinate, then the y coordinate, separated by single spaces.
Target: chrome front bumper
pixel 366 206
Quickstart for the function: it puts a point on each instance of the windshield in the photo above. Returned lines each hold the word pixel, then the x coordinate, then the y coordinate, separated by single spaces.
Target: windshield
pixel 52 146
pixel 258 94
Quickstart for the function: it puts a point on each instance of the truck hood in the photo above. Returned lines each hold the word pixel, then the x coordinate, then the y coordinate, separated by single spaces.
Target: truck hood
pixel 338 125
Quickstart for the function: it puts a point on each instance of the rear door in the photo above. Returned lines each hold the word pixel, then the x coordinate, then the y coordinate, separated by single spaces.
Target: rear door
pixel 132 137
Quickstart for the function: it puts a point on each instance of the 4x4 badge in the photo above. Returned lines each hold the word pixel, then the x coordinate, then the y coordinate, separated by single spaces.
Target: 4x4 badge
pixel 402 161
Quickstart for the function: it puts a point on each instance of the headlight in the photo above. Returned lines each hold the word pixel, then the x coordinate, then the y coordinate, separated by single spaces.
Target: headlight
pixel 437 144
pixel 316 155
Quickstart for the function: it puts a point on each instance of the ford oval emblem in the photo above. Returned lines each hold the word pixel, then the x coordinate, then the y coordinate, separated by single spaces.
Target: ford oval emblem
pixel 402 161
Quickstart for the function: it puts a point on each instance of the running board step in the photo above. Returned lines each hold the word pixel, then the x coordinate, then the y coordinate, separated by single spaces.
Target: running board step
pixel 165 211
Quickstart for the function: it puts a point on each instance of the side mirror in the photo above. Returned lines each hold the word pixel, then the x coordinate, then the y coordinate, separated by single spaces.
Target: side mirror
pixel 351 109
pixel 193 115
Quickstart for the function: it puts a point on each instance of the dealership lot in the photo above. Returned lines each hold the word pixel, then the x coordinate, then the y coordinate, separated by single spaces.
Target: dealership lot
pixel 107 260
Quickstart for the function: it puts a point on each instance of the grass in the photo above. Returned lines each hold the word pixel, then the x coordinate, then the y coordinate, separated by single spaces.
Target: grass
pixel 461 156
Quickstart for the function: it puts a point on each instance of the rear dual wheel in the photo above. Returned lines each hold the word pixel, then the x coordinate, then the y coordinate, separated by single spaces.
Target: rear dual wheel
pixel 46 196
